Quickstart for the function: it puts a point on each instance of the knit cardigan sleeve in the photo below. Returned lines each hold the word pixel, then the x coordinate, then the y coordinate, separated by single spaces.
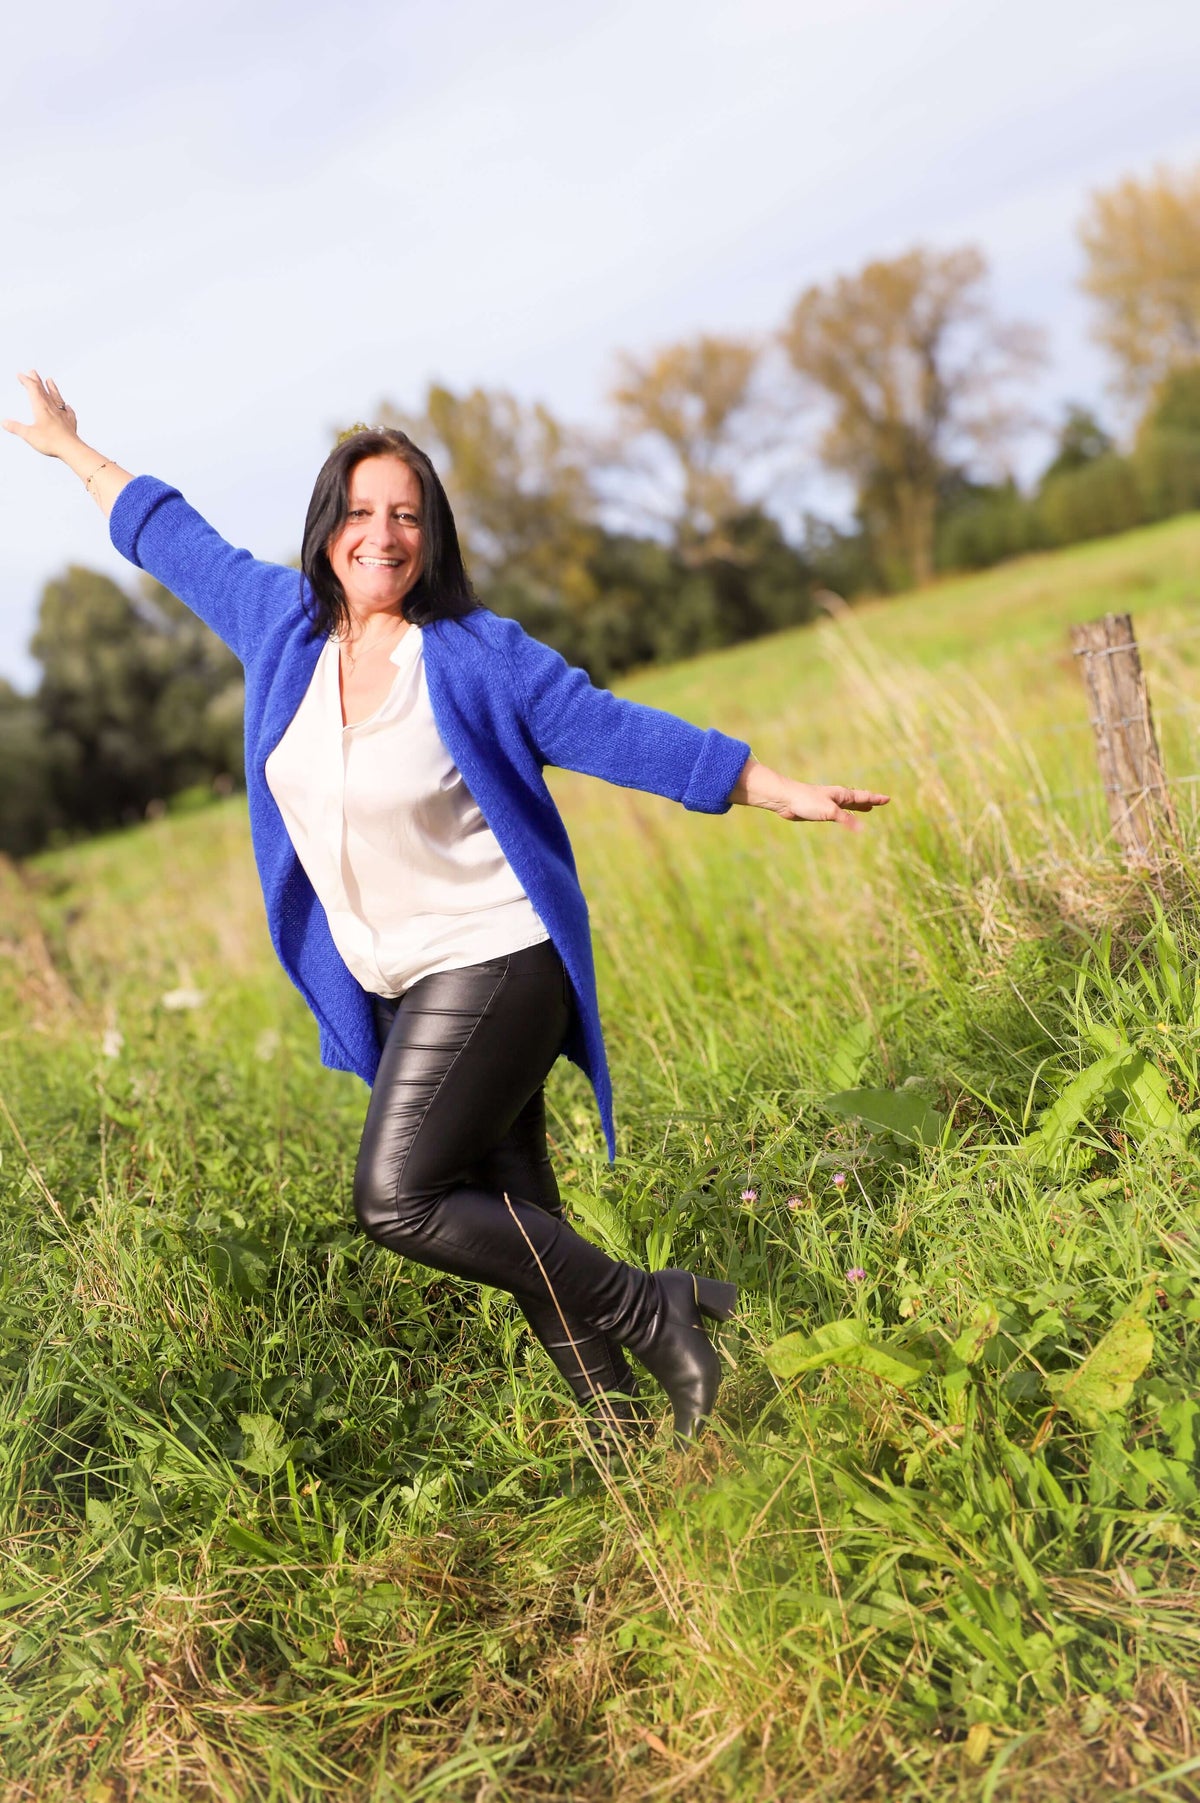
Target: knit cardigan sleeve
pixel 231 591
pixel 577 726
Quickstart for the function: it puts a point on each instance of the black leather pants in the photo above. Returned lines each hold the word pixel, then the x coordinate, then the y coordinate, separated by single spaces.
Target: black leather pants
pixel 453 1169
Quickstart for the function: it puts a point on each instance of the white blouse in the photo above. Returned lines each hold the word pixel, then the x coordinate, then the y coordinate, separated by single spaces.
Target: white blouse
pixel 409 873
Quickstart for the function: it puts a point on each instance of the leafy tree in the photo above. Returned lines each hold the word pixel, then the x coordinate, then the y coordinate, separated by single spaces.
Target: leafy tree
pixel 1175 405
pixel 197 722
pixel 137 700
pixel 97 693
pixel 518 483
pixel 982 523
pixel 1103 496
pixel 689 422
pixel 1167 451
pixel 916 372
pixel 1081 440
pixel 27 809
pixel 1141 240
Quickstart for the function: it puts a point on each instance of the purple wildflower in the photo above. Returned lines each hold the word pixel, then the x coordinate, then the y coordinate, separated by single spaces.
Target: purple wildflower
pixel 795 1201
pixel 749 1195
pixel 839 1178
pixel 855 1274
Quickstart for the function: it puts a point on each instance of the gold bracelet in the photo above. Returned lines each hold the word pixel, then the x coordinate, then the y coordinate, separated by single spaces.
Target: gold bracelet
pixel 88 484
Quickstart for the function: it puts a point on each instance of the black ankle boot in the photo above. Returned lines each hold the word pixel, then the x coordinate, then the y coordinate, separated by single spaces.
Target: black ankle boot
pixel 678 1352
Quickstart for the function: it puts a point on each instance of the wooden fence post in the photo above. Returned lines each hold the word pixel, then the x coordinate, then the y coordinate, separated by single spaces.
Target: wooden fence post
pixel 1139 801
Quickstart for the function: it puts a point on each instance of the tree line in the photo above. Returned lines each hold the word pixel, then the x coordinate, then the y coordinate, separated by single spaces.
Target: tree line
pixel 677 527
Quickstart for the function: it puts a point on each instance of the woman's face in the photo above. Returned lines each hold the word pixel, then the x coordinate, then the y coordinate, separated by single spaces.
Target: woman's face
pixel 376 553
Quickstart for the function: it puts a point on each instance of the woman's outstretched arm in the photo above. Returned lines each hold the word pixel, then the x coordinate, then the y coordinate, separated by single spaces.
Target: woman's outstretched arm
pixel 54 432
pixel 580 727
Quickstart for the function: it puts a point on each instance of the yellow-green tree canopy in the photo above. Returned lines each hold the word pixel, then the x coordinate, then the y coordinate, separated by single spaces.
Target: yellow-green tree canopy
pixel 915 370
pixel 688 421
pixel 1141 240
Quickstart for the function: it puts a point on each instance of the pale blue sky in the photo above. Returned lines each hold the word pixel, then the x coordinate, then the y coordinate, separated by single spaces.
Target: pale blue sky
pixel 228 231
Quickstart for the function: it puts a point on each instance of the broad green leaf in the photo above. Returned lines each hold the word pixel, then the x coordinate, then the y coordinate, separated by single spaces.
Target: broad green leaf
pixel 264 1448
pixel 604 1223
pixel 241 1261
pixel 1064 1117
pixel 1148 1107
pixel 904 1113
pixel 845 1344
pixel 1103 1383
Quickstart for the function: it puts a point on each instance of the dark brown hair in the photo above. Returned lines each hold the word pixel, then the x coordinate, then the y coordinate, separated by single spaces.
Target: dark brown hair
pixel 442 591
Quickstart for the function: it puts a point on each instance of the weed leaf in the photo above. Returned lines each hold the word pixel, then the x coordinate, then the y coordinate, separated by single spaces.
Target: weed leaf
pixel 1103 1383
pixel 1144 1100
pixel 1064 1117
pixel 904 1113
pixel 604 1223
pixel 847 1345
pixel 264 1448
pixel 241 1261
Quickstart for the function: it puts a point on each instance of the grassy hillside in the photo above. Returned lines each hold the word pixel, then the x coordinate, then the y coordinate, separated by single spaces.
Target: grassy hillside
pixel 286 1519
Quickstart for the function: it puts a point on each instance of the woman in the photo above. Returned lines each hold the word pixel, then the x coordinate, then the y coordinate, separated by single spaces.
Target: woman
pixel 419 883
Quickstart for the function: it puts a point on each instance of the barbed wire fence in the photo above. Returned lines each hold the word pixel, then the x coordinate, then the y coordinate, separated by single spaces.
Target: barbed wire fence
pixel 1133 784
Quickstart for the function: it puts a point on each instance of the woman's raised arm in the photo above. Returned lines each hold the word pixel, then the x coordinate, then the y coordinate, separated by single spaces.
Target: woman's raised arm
pixel 151 524
pixel 54 432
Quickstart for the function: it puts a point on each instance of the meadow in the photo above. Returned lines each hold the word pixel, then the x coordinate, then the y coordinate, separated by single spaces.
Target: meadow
pixel 285 1518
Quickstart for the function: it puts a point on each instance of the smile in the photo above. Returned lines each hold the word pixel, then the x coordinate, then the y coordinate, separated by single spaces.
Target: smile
pixel 380 563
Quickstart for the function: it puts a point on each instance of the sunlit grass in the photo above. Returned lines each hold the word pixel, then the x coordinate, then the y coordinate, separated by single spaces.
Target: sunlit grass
pixel 287 1519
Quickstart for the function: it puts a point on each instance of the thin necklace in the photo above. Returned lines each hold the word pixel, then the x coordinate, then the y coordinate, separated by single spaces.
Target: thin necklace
pixel 352 657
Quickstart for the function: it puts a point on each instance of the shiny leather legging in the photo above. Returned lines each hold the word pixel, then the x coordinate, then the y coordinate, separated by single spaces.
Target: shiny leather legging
pixel 453 1169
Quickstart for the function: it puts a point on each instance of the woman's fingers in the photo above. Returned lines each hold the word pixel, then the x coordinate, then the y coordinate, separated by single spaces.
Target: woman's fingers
pixel 833 804
pixel 861 800
pixel 66 413
pixel 53 427
pixel 39 399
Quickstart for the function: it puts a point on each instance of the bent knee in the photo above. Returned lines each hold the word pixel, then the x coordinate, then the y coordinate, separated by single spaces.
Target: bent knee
pixel 386 1209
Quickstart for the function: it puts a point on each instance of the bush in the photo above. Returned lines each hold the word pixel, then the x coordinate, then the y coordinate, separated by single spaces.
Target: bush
pixel 986 528
pixel 1100 498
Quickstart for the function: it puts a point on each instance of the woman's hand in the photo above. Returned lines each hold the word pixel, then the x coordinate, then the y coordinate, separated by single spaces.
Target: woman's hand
pixel 53 432
pixel 758 787
pixel 54 429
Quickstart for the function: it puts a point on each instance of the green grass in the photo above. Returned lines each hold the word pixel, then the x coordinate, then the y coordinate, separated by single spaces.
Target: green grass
pixel 284 1518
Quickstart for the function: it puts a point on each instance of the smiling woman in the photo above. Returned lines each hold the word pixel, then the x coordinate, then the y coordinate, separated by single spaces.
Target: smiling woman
pixel 376 477
pixel 420 886
pixel 381 554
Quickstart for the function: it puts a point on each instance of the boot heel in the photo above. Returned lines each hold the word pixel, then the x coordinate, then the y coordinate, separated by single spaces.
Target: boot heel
pixel 714 1299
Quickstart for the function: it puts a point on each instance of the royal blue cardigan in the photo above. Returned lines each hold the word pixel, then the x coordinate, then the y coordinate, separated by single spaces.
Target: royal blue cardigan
pixel 505 706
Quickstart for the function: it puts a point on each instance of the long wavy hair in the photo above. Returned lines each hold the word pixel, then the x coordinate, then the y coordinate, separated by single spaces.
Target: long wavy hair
pixel 443 589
